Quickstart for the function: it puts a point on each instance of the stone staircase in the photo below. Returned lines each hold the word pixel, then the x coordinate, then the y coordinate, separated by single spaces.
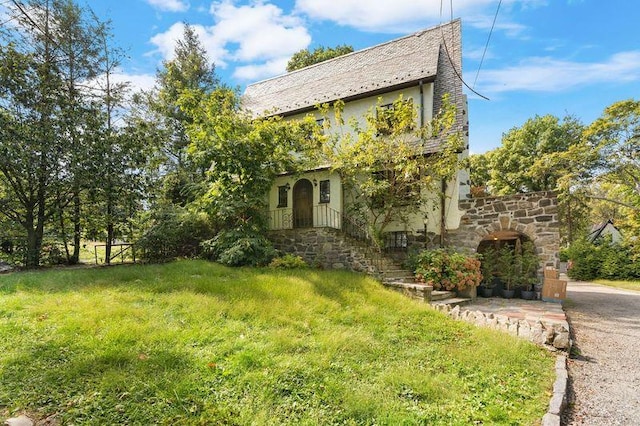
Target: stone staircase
pixel 402 280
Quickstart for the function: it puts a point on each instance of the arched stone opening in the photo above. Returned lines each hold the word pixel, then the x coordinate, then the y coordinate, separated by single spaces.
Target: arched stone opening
pixel 499 239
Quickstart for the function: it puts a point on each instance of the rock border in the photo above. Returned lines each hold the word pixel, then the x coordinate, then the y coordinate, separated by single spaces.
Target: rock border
pixel 554 336
pixel 559 398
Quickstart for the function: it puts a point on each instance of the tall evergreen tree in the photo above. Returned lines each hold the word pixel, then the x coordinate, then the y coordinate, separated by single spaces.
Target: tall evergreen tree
pixel 190 70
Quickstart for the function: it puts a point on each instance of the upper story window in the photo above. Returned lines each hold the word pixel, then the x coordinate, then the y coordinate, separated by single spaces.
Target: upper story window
pixel 395 117
pixel 325 191
pixel 282 196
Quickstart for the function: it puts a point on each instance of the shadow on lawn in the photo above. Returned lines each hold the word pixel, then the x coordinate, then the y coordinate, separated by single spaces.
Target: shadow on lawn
pixel 196 276
pixel 55 376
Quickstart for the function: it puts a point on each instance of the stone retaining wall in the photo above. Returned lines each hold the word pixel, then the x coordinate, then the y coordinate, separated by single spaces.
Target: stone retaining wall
pixel 419 292
pixel 322 247
pixel 552 335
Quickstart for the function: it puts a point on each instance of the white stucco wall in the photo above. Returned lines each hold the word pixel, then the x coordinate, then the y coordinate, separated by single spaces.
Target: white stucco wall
pixel 325 214
pixel 357 110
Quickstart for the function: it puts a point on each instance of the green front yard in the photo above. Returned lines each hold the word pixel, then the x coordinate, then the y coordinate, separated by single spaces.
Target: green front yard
pixel 193 342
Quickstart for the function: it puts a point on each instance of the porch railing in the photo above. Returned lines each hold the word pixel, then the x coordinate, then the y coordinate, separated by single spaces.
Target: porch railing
pixel 320 216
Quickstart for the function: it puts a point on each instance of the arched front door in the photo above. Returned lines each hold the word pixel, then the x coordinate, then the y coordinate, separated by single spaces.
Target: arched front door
pixel 303 204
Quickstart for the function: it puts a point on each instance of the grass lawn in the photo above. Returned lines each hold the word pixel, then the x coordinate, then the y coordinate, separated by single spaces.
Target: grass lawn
pixel 627 285
pixel 193 342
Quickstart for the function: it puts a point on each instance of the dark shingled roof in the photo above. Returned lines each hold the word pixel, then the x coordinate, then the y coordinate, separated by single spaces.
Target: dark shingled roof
pixel 379 68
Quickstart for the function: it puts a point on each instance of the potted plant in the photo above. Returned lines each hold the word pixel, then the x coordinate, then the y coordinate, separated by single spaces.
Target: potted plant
pixel 507 263
pixel 529 262
pixel 488 264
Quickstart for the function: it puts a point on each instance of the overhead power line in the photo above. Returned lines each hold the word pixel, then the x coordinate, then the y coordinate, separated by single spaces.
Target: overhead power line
pixel 486 46
pixel 446 49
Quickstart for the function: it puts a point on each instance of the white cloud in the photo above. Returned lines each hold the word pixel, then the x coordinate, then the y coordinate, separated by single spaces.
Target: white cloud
pixel 255 37
pixel 166 42
pixel 259 71
pixel 484 22
pixel 261 31
pixel 136 82
pixel 401 15
pixel 170 5
pixel 543 74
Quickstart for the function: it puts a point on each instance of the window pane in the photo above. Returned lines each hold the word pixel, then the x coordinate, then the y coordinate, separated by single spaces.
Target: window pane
pixel 325 191
pixel 282 196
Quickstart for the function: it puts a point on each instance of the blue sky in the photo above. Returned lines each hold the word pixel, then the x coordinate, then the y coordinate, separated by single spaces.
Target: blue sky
pixel 544 56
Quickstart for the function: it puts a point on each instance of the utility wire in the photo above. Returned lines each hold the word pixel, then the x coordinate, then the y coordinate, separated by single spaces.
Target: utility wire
pixel 486 46
pixel 446 49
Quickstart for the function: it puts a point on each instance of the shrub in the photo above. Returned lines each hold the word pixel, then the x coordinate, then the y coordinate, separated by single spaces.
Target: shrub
pixel 239 247
pixel 585 261
pixel 603 259
pixel 288 261
pixel 174 233
pixel 448 270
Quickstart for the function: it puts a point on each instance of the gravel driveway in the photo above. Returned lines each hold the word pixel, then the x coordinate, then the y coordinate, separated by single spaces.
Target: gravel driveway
pixel 604 371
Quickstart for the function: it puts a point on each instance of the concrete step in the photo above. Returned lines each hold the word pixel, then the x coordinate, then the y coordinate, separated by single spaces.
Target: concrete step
pixel 452 301
pixel 397 273
pixel 404 280
pixel 442 295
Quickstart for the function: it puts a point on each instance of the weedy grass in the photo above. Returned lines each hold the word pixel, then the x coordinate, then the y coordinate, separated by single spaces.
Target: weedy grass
pixel 627 285
pixel 192 342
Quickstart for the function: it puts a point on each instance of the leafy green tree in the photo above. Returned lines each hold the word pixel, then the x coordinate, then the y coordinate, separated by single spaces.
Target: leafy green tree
pixel 305 57
pixel 32 157
pixel 614 139
pixel 189 71
pixel 245 155
pixel 386 171
pixel 480 173
pixel 530 159
pixel 55 122
pixel 75 36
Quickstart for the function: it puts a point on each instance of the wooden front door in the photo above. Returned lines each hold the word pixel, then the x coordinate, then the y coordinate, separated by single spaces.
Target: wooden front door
pixel 303 204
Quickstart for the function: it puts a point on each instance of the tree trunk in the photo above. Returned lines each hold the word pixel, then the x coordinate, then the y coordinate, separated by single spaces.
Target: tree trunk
pixel 32 257
pixel 77 230
pixel 107 251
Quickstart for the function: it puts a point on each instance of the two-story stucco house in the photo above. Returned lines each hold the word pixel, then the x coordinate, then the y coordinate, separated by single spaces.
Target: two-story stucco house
pixel 423 67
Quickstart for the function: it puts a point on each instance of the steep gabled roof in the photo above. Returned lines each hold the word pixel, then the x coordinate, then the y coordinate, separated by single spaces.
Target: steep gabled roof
pixel 384 67
pixel 597 230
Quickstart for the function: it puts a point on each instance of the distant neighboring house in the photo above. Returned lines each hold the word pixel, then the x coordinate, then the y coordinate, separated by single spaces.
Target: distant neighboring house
pixel 603 229
pixel 422 67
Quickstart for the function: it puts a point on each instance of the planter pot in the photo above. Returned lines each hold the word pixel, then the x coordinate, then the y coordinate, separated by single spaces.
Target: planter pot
pixel 508 294
pixel 528 295
pixel 486 291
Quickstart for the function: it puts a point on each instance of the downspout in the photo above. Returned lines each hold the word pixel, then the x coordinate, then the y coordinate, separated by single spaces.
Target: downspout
pixel 426 219
pixel 421 106
pixel 443 214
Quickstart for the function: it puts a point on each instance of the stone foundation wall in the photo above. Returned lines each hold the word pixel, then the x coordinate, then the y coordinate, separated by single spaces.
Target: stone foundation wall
pixel 323 247
pixel 534 215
